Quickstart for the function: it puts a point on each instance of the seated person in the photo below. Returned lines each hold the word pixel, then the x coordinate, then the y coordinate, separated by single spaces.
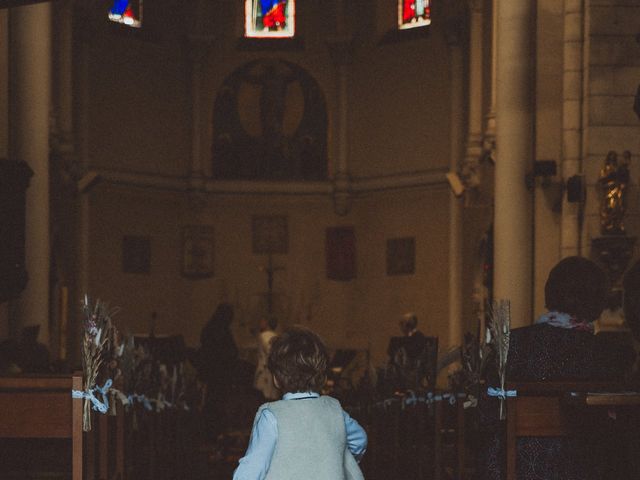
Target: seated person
pixel 412 357
pixel 561 345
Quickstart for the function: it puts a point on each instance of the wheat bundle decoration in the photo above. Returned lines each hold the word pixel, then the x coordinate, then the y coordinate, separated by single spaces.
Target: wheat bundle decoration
pixel 498 335
pixel 96 341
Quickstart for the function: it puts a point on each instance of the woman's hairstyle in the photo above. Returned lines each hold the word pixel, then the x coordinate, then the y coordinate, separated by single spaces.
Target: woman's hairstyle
pixel 298 361
pixel 223 315
pixel 631 285
pixel 576 286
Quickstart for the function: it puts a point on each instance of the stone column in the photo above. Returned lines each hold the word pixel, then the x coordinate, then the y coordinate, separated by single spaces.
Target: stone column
pixel 341 50
pixel 572 94
pixel 30 101
pixel 455 213
pixel 490 130
pixel 474 137
pixel 514 137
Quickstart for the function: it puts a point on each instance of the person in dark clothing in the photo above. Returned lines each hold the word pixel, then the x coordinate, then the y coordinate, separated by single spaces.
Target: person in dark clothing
pixel 218 358
pixel 561 345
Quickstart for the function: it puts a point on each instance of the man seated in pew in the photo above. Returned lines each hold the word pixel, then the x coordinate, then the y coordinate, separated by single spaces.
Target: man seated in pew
pixel 561 345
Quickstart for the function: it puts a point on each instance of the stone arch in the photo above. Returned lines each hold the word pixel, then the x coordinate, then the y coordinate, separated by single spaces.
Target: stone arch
pixel 270 123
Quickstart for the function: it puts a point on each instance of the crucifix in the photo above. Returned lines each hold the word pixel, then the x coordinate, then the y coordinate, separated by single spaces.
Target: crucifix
pixel 270 270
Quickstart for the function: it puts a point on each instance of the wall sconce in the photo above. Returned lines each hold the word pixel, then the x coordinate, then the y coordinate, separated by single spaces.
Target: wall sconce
pixel 455 182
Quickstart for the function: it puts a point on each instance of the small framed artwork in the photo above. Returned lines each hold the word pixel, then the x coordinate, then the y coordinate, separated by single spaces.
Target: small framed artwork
pixel 197 251
pixel 136 254
pixel 401 256
pixel 270 234
pixel 341 253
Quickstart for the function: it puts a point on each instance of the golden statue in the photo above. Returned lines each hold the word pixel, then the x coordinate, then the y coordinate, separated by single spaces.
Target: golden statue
pixel 613 180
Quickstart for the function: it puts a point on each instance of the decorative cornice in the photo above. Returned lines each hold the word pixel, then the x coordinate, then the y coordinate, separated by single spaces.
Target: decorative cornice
pixel 358 186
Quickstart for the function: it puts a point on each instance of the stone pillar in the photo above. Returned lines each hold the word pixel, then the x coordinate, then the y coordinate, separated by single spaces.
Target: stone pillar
pixel 30 101
pixel 514 137
pixel 341 50
pixel 470 169
pixel 572 95
pixel 455 213
pixel 490 129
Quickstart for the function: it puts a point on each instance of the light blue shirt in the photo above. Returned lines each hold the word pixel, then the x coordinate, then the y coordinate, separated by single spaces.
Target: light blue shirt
pixel 256 461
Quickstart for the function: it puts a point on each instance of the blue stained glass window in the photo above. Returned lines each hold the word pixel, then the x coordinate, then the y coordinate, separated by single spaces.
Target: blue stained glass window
pixel 127 12
pixel 270 18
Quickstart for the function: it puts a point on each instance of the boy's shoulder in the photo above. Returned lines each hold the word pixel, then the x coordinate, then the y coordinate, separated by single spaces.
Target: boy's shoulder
pixel 278 404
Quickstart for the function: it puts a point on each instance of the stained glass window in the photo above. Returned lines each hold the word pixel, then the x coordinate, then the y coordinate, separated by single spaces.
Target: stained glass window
pixel 270 18
pixel 413 13
pixel 128 12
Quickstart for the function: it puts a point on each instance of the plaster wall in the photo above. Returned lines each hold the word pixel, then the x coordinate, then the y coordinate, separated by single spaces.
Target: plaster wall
pixel 361 313
pixel 613 71
pixel 140 116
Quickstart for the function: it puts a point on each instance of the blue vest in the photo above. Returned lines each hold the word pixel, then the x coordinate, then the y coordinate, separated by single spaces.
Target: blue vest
pixel 312 441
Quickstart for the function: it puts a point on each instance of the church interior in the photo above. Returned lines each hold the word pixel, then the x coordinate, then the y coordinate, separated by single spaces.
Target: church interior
pixel 166 165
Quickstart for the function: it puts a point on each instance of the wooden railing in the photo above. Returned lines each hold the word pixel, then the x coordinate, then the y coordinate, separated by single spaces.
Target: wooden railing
pixel 41 407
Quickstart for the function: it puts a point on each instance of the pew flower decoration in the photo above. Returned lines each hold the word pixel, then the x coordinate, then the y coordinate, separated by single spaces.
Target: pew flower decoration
pixel 498 335
pixel 98 332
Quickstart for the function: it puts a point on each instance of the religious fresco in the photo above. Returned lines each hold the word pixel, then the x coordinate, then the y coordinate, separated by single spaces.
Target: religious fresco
pixel 413 13
pixel 269 18
pixel 270 123
pixel 127 12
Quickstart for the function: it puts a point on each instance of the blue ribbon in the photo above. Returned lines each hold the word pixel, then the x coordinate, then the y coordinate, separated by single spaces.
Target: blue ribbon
pixel 142 399
pixel 501 393
pixel 100 406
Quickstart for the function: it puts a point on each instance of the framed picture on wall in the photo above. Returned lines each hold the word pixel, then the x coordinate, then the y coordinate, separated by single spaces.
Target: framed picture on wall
pixel 270 234
pixel 197 251
pixel 341 253
pixel 136 254
pixel 401 256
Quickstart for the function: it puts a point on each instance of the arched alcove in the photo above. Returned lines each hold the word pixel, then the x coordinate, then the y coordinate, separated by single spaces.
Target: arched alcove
pixel 270 123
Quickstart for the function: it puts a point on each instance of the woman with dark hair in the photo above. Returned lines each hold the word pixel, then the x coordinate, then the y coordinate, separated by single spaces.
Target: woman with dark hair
pixel 218 358
pixel 561 345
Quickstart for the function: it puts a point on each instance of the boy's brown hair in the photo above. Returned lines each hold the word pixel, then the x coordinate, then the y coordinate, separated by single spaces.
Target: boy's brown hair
pixel 298 361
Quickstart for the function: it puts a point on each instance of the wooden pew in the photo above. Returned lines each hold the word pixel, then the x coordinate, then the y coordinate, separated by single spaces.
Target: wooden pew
pixel 42 407
pixel 537 411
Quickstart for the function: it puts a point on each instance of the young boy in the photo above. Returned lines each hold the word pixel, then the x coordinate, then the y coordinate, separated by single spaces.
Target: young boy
pixel 304 436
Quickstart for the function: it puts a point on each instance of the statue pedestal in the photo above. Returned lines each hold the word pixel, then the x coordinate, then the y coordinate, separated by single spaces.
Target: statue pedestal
pixel 614 253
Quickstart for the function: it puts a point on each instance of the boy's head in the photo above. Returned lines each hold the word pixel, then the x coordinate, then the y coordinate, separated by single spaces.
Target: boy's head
pixel 298 361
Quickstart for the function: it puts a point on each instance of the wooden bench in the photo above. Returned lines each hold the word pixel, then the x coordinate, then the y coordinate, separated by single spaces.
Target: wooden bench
pixel 42 407
pixel 537 411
